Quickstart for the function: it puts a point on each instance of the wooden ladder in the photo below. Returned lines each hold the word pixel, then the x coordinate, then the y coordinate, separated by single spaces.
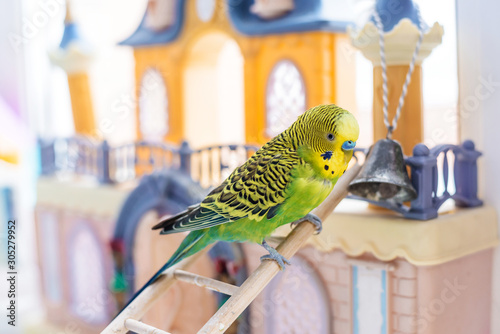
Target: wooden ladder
pixel 241 296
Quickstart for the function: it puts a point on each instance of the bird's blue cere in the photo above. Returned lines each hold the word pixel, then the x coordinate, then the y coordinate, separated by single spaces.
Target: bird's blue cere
pixel 349 145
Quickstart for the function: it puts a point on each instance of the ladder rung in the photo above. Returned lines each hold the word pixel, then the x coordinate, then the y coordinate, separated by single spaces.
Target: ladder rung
pixel 143 302
pixel 205 282
pixel 142 328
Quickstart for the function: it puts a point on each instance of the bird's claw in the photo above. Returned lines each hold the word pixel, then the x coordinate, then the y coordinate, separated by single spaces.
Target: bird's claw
pixel 280 260
pixel 311 217
pixel 274 256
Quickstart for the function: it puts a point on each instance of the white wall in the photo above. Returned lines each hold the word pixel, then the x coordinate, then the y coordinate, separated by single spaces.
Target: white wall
pixel 103 24
pixel 10 59
pixel 479 103
pixel 38 92
pixel 14 128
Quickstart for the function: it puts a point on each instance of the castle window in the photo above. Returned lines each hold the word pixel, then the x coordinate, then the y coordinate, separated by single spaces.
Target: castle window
pixel 285 97
pixel 205 9
pixel 160 14
pixel 50 255
pixel 271 9
pixel 153 106
pixel 370 300
pixel 86 271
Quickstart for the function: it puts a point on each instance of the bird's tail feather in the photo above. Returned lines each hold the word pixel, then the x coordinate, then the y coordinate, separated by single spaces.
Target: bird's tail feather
pixel 167 221
pixel 189 246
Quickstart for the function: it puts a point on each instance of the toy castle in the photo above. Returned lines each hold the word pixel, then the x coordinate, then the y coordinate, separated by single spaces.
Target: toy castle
pixel 216 79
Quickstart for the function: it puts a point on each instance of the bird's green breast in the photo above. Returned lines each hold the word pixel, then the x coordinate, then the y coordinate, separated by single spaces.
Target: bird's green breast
pixel 307 190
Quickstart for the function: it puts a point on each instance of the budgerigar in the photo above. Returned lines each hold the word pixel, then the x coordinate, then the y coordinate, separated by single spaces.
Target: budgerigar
pixel 281 183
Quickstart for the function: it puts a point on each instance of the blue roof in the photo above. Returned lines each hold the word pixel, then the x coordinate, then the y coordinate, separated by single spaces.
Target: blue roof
pixel 70 34
pixel 391 12
pixel 308 15
pixel 147 36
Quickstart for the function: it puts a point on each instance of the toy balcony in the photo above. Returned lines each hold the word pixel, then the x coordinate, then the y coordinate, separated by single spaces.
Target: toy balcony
pixel 80 156
pixel 368 267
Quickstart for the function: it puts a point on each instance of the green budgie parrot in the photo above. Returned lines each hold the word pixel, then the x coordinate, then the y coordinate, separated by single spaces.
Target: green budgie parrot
pixel 281 183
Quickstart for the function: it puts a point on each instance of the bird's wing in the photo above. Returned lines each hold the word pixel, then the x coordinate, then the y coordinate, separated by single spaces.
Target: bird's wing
pixel 194 218
pixel 255 190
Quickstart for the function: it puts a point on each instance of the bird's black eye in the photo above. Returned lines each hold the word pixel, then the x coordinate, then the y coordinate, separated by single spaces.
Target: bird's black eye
pixel 330 137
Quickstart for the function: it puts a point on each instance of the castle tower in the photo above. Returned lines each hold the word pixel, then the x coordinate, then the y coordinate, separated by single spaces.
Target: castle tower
pixel 74 56
pixel 224 71
pixel 401 32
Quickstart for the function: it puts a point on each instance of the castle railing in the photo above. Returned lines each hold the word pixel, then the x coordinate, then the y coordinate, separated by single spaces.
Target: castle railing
pixel 86 157
pixel 430 174
pixel 431 169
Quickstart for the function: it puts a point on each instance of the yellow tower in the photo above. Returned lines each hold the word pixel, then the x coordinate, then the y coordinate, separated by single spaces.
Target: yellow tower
pixel 236 71
pixel 74 57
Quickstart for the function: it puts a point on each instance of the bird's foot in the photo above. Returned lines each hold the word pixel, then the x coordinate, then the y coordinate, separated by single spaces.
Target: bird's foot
pixel 311 217
pixel 275 256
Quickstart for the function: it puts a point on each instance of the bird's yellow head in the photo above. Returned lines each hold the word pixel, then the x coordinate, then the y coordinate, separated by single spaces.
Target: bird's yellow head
pixel 325 138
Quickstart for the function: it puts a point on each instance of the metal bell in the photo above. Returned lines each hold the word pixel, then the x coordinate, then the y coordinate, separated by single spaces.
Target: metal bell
pixel 383 176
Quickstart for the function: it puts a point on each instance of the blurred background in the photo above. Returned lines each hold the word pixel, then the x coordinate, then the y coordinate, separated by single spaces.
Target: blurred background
pixel 41 90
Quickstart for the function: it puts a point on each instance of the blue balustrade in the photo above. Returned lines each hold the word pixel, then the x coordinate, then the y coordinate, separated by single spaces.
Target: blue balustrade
pixel 107 164
pixel 210 165
pixel 425 178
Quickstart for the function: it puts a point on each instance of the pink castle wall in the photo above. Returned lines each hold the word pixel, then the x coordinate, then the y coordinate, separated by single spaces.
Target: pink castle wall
pixel 335 275
pixel 453 297
pixel 62 313
pixel 403 290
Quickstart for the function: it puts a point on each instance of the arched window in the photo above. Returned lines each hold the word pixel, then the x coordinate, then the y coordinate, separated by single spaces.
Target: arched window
pixel 299 300
pixel 86 272
pixel 153 106
pixel 285 97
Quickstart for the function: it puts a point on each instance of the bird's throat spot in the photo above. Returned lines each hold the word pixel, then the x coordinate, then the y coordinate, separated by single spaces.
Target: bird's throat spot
pixel 327 155
pixel 326 167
